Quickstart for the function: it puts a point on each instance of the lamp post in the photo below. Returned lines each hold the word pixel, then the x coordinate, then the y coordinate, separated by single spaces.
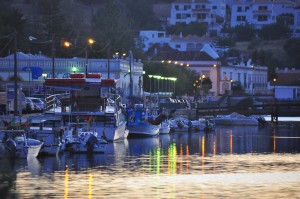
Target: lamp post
pixel 274 80
pixel 90 42
pixel 150 77
pixel 44 76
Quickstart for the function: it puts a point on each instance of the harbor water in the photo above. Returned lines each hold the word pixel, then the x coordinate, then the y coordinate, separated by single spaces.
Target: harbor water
pixel 231 162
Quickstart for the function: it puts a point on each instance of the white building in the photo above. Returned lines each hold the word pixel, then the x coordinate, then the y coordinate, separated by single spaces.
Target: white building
pixel 211 12
pixel 31 68
pixel 259 12
pixel 188 43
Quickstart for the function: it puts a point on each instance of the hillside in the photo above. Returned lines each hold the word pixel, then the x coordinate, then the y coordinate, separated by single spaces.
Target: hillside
pixel 276 47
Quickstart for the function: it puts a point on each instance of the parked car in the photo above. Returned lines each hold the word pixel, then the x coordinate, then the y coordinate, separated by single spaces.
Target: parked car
pixel 29 105
pixel 40 105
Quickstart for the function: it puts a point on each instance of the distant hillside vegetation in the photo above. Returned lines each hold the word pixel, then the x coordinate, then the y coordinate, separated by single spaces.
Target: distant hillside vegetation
pixel 276 47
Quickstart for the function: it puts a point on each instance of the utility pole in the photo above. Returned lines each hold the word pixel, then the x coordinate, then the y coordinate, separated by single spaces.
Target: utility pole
pixel 53 55
pixel 130 73
pixel 86 60
pixel 15 75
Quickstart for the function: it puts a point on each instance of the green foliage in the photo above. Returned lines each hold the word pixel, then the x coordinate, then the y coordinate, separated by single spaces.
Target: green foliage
pixel 142 14
pixel 226 41
pixel 206 84
pixel 285 19
pixel 184 83
pixel 113 28
pixel 274 31
pixel 292 48
pixel 193 28
pixel 243 32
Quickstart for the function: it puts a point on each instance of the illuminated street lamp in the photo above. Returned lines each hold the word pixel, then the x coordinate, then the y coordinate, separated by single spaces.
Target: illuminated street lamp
pixel 150 77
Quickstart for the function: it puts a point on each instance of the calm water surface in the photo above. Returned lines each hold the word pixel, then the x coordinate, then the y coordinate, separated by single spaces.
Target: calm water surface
pixel 232 162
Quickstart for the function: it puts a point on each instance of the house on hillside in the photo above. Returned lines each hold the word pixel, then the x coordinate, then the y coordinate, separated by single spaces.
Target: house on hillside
pixel 287 84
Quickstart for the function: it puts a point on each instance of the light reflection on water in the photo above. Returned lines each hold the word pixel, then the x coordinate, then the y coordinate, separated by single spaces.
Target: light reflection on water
pixel 231 162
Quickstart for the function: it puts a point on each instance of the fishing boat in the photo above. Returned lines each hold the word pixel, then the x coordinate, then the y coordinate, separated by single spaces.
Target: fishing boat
pixel 141 124
pixel 92 101
pixel 15 144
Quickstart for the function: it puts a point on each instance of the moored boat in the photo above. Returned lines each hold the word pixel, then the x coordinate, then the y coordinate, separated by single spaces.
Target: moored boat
pixel 15 144
pixel 91 102
pixel 140 124
pixel 235 119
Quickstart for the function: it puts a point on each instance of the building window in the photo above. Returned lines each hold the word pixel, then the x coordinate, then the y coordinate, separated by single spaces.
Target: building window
pixel 187 7
pixel 177 46
pixel 176 7
pixel 262 7
pixel 201 16
pixel 178 16
pixel 247 8
pixel 215 7
pixel 239 77
pixel 241 18
pixel 262 18
pixel 239 9
pixel 203 6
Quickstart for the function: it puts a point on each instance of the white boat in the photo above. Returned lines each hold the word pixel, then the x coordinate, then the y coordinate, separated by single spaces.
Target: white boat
pixel 48 130
pixel 165 127
pixel 16 144
pixel 235 119
pixel 84 142
pixel 180 124
pixel 91 103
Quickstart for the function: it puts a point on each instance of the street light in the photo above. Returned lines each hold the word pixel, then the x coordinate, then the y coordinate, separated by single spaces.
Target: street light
pixel 44 76
pixel 90 42
pixel 150 77
pixel 274 80
pixel 74 69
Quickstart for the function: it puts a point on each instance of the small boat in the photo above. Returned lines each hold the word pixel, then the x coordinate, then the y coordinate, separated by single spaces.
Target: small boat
pixel 15 144
pixel 165 127
pixel 140 124
pixel 84 142
pixel 48 130
pixel 235 119
pixel 180 124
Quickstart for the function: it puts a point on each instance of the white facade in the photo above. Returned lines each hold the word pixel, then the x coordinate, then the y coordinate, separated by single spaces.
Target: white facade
pixel 296 32
pixel 197 11
pixel 151 37
pixel 30 70
pixel 188 43
pixel 254 79
pixel 259 12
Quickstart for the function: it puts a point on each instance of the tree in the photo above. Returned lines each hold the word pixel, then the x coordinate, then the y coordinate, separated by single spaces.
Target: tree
pixel 142 14
pixel 10 20
pixel 292 48
pixel 243 32
pixel 193 28
pixel 184 83
pixel 206 85
pixel 113 28
pixel 274 31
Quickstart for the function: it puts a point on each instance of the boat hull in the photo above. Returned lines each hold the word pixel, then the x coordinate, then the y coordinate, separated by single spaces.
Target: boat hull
pixel 236 121
pixel 143 129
